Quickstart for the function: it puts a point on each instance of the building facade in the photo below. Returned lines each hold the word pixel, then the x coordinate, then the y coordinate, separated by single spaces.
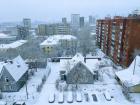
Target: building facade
pixel 75 21
pixel 91 20
pixel 23 32
pixel 42 29
pixel 82 22
pixel 63 29
pixel 59 44
pixel 27 22
pixel 64 20
pixel 118 38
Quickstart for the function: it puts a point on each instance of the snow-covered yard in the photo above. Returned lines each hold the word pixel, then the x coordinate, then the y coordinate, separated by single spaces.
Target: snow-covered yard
pixel 91 93
pixel 106 83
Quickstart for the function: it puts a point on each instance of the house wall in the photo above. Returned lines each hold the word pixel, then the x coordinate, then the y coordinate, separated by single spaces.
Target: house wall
pixel 11 85
pixel 79 75
pixel 7 86
pixel 20 83
pixel 135 89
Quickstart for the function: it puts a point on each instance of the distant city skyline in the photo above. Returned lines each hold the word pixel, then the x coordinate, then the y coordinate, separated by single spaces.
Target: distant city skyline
pixel 54 10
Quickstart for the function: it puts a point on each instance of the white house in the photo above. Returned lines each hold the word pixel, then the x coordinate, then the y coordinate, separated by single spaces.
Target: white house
pixel 130 77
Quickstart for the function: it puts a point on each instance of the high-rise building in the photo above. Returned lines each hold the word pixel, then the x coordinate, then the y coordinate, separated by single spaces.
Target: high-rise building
pixel 64 20
pixel 23 32
pixel 51 29
pixel 91 20
pixel 82 22
pixel 63 29
pixel 27 23
pixel 119 38
pixel 42 29
pixel 46 30
pixel 75 21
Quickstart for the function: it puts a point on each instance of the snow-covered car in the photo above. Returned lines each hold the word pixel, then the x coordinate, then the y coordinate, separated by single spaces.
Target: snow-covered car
pixel 69 97
pixel 61 97
pixel 3 103
pixel 107 96
pixel 51 98
pixel 19 103
pixel 78 97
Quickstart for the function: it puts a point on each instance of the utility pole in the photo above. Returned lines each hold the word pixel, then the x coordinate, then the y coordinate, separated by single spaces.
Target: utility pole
pixel 26 86
pixel 134 66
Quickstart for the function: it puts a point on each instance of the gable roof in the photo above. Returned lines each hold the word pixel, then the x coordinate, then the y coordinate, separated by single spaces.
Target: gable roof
pixel 85 65
pixel 78 58
pixel 127 75
pixel 1 66
pixel 17 68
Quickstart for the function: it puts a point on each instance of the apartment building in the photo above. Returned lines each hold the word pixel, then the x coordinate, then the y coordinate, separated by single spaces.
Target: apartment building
pixel 59 44
pixel 119 37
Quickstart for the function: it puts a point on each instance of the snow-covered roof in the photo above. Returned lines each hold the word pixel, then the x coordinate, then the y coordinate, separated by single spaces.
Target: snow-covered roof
pixel 1 66
pixel 2 102
pixel 4 36
pixel 17 67
pixel 54 40
pixel 13 45
pixel 78 57
pixel 131 75
pixel 70 64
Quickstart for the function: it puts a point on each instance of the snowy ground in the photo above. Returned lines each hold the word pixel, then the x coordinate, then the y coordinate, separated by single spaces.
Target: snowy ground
pixel 107 82
pixel 32 84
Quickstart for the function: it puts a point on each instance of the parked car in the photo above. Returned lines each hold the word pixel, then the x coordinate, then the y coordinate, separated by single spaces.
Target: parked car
pixel 3 103
pixel 79 97
pixel 51 98
pixel 107 96
pixel 61 97
pixel 19 103
pixel 94 97
pixel 69 97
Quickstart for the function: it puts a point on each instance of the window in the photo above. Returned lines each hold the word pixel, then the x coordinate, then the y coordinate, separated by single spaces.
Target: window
pixel 6 79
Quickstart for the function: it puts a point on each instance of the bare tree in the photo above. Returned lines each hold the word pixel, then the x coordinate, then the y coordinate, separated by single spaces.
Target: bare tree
pixel 85 41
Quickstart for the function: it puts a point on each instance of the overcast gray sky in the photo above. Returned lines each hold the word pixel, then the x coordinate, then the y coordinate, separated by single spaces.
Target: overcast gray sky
pixel 53 10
